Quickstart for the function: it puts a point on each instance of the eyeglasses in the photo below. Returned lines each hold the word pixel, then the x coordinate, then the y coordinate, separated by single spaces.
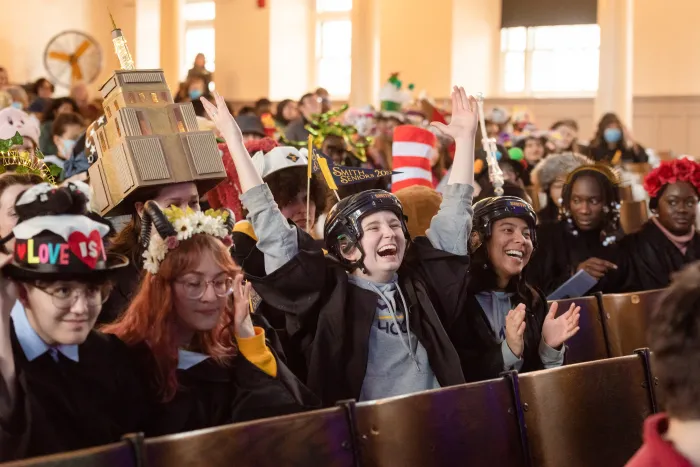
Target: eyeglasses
pixel 65 296
pixel 196 288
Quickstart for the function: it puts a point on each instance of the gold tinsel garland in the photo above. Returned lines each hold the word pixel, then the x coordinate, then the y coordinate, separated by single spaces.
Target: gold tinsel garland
pixel 326 124
pixel 21 161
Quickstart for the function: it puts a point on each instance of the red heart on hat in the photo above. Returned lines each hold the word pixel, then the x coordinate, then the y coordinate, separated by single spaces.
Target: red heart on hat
pixel 88 249
pixel 21 250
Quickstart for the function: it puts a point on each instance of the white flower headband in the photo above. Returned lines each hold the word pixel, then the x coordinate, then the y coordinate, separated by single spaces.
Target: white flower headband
pixel 184 225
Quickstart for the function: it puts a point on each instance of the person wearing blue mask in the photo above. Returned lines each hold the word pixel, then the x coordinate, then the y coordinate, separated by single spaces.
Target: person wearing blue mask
pixel 613 144
pixel 66 130
pixel 196 88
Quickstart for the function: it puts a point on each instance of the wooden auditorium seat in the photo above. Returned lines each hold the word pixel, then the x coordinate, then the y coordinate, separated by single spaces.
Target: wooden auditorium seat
pixel 473 424
pixel 320 437
pixel 626 317
pixel 111 455
pixel 589 344
pixel 633 215
pixel 584 415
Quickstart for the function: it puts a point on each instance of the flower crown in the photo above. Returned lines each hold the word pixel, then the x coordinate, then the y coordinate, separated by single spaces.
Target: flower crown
pixel 22 162
pixel 186 224
pixel 677 170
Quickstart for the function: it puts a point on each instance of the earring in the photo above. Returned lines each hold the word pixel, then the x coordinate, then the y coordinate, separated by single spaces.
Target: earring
pixel 486 265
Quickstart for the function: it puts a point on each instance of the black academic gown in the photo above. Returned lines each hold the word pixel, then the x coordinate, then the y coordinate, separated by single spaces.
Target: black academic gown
pixel 559 254
pixel 604 154
pixel 329 319
pixel 479 347
pixel 647 259
pixel 66 405
pixel 211 394
pixel 246 254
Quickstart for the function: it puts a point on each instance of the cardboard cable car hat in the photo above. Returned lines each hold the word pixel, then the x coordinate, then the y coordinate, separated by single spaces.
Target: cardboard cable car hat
pixel 58 238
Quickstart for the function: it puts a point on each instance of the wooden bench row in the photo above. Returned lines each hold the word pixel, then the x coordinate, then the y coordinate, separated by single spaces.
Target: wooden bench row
pixel 578 415
pixel 612 325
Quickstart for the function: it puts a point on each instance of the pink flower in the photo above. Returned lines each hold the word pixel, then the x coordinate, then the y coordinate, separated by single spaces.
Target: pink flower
pixel 228 241
pixel 172 243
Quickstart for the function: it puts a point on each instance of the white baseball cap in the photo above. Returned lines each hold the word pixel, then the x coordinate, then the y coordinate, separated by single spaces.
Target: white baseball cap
pixel 279 158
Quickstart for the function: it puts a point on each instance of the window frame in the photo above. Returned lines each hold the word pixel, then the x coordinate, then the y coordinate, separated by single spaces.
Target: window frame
pixel 527 91
pixel 188 25
pixel 320 17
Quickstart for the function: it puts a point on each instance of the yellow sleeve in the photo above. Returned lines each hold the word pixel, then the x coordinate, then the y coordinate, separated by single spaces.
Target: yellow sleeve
pixel 255 350
pixel 245 227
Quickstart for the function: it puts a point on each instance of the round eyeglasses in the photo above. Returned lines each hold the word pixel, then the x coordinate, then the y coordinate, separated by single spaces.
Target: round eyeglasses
pixel 64 296
pixel 196 288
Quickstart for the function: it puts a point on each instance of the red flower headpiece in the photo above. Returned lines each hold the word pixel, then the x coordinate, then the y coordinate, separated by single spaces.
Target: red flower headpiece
pixel 677 170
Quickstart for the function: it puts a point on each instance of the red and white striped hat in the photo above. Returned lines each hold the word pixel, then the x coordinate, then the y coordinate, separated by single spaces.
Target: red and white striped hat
pixel 411 153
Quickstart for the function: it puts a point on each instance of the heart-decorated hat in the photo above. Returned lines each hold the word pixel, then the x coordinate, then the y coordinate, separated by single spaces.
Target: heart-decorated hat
pixel 58 237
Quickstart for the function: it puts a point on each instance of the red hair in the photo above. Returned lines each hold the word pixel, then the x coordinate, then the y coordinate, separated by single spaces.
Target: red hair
pixel 151 318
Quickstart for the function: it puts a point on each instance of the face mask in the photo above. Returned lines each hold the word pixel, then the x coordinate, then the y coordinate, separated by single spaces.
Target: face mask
pixel 195 94
pixel 68 145
pixel 612 135
pixel 17 105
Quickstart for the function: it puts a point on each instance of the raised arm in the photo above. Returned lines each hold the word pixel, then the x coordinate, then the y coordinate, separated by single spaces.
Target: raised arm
pixel 277 239
pixel 450 228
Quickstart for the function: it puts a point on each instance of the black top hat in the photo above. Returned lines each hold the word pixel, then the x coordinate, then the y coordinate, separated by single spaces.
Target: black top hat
pixel 58 238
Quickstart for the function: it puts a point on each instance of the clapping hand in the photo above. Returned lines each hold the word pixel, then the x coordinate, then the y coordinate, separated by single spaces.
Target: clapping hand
pixel 465 116
pixel 243 325
pixel 557 331
pixel 223 119
pixel 515 330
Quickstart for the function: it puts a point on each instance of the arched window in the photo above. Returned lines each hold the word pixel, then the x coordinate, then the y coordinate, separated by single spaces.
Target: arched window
pixel 334 46
pixel 198 16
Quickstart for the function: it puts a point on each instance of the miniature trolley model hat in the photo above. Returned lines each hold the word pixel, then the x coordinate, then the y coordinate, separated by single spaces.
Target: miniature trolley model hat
pixel 57 237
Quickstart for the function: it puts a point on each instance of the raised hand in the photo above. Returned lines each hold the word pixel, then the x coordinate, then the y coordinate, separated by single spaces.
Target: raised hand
pixel 596 267
pixel 465 116
pixel 223 119
pixel 243 325
pixel 515 330
pixel 557 331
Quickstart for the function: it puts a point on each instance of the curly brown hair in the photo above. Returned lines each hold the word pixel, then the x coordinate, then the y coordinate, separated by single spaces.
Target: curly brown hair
pixel 674 339
pixel 286 184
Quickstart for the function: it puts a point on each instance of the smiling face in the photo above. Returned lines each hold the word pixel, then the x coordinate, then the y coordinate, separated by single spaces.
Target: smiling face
pixel 384 244
pixel 586 203
pixel 567 136
pixel 62 325
pixel 195 315
pixel 509 247
pixel 677 208
pixel 290 111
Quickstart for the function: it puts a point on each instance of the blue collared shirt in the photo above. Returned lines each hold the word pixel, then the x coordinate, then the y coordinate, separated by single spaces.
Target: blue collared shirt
pixel 187 359
pixel 32 345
